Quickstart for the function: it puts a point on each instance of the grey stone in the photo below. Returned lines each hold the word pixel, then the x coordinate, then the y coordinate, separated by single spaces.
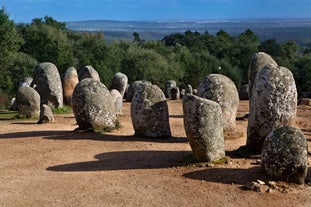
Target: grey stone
pixel 119 82
pixel 70 81
pixel 93 105
pixel 285 155
pixel 26 82
pixel 221 89
pixel 28 101
pixel 117 100
pixel 272 105
pixel 88 72
pixel 168 87
pixel 203 124
pixel 175 93
pixel 188 89
pixel 48 84
pixel 257 62
pixel 149 112
pixel 46 114
pixel 133 88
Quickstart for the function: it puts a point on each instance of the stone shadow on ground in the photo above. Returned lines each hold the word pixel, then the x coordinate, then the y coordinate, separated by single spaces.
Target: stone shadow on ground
pixel 228 175
pixel 126 160
pixel 70 135
pixel 28 134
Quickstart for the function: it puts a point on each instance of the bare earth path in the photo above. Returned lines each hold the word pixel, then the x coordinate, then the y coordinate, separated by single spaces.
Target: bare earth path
pixel 50 165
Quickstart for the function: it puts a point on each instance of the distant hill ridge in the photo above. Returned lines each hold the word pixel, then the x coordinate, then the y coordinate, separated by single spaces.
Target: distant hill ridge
pixel 280 29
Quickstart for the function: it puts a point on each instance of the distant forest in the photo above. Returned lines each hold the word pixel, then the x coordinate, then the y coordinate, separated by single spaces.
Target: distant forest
pixel 185 57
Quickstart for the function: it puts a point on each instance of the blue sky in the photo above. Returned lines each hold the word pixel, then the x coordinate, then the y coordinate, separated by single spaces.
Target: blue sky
pixel 72 10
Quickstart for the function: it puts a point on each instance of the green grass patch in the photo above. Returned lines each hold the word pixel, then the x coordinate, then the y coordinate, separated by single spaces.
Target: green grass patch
pixel 62 110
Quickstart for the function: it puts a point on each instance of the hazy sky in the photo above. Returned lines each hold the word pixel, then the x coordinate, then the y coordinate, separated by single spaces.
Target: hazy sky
pixel 71 10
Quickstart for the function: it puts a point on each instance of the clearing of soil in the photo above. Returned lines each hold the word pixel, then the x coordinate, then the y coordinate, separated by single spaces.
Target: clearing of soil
pixel 51 165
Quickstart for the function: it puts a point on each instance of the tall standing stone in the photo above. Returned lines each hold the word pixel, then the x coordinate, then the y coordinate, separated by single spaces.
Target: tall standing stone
pixel 204 127
pixel 28 102
pixel 48 83
pixel 221 89
pixel 88 72
pixel 149 112
pixel 119 82
pixel 257 62
pixel 93 105
pixel 117 100
pixel 175 93
pixel 168 87
pixel 70 82
pixel 272 105
pixel 285 155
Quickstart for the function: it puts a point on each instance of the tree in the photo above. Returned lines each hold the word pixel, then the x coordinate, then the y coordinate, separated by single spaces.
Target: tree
pixel 10 42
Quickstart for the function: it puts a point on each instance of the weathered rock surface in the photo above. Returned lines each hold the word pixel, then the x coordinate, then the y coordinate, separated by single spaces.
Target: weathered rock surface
pixel 272 105
pixel 221 89
pixel 28 101
pixel 285 155
pixel 70 81
pixel 149 112
pixel 88 72
pixel 168 87
pixel 46 114
pixel 117 100
pixel 48 84
pixel 133 88
pixel 204 127
pixel 257 62
pixel 119 82
pixel 188 89
pixel 93 105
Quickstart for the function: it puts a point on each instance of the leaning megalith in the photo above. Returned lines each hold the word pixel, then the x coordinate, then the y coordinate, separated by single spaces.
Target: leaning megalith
pixel 272 105
pixel 149 112
pixel 88 72
pixel 203 124
pixel 70 81
pixel 168 87
pixel 119 82
pixel 28 102
pixel 285 155
pixel 257 62
pixel 46 114
pixel 133 88
pixel 48 84
pixel 221 89
pixel 93 105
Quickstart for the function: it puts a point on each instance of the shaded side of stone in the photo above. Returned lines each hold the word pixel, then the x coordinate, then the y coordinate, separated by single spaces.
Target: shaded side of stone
pixel 204 127
pixel 28 101
pixel 88 72
pixel 149 112
pixel 119 82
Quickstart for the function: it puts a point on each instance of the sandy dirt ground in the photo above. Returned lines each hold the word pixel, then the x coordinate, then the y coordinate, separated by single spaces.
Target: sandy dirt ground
pixel 51 165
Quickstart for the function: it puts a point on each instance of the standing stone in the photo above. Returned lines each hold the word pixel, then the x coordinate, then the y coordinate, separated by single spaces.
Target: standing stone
pixel 204 127
pixel 28 101
pixel 285 155
pixel 48 84
pixel 272 105
pixel 117 100
pixel 88 72
pixel 168 87
pixel 46 114
pixel 119 82
pixel 221 89
pixel 133 88
pixel 175 93
pixel 26 82
pixel 189 89
pixel 93 106
pixel 70 82
pixel 149 112
pixel 257 62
